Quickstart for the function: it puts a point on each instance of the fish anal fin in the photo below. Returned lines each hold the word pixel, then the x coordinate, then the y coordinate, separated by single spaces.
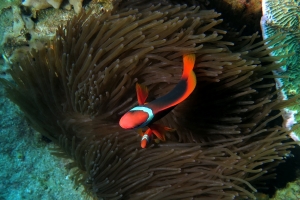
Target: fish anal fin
pixel 160 131
pixel 141 93
pixel 168 129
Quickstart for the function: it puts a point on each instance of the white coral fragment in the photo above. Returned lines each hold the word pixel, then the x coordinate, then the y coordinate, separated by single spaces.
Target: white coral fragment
pixel 77 4
pixel 36 4
pixel 55 3
pixel 42 4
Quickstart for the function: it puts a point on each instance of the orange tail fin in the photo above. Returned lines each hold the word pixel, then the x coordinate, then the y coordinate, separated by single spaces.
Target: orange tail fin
pixel 188 65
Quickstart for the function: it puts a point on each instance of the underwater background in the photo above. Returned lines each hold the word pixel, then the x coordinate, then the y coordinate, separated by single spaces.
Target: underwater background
pixel 28 169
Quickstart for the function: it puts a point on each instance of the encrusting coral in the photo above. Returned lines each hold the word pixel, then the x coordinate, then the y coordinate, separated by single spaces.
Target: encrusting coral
pixel 282 17
pixel 226 140
pixel 42 4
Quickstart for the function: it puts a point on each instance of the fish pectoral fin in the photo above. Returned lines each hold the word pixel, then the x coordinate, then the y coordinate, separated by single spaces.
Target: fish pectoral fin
pixel 140 132
pixel 141 93
pixel 160 131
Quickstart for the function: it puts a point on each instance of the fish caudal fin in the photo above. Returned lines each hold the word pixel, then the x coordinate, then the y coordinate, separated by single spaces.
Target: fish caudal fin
pixel 141 93
pixel 144 141
pixel 188 65
pixel 146 137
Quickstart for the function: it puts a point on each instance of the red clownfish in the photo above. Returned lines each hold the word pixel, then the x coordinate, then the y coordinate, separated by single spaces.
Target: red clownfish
pixel 146 114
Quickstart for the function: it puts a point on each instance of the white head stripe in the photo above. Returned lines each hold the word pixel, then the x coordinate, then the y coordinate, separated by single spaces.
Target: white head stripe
pixel 144 109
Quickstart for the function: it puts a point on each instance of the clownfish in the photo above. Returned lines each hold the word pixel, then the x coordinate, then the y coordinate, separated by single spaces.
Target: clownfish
pixel 145 114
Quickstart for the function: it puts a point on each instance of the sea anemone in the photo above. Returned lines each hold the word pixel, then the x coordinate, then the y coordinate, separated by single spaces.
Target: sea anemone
pixel 227 138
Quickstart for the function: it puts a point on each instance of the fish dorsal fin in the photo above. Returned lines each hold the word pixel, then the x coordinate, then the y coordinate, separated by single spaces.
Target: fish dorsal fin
pixel 141 93
pixel 188 65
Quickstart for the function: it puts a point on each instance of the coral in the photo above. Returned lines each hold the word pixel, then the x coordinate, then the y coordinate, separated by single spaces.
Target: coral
pixel 42 4
pixel 77 4
pixel 292 191
pixel 8 3
pixel 75 89
pixel 37 4
pixel 55 3
pixel 282 17
pixel 23 29
pixel 239 12
pixel 106 4
pixel 20 33
pixel 12 35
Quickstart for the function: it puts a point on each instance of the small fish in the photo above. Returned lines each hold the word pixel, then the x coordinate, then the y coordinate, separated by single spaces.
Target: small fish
pixel 146 114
